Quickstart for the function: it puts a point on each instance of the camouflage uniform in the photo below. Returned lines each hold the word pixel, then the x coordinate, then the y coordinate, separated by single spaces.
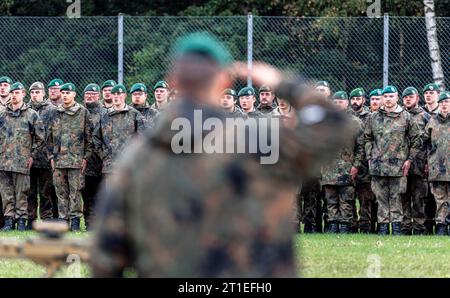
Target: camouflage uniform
pixel 148 112
pixel 266 109
pixel 41 181
pixel 413 200
pixel 437 139
pixel 367 201
pixel 69 142
pixel 391 138
pixel 236 113
pixel 310 202
pixel 22 136
pixel 93 173
pixel 115 130
pixel 337 182
pixel 230 223
pixel 254 114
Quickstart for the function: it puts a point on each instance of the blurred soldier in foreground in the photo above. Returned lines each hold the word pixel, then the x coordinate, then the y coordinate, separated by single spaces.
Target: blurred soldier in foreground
pixel 210 215
pixel 413 200
pixel 21 137
pixel 41 180
pixel 437 139
pixel 54 91
pixel 375 100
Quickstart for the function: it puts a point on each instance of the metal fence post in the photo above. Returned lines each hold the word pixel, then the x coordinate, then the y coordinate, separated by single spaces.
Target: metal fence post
pixel 386 50
pixel 249 48
pixel 120 49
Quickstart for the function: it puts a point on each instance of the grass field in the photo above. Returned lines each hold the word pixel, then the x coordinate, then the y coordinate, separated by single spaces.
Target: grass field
pixel 318 256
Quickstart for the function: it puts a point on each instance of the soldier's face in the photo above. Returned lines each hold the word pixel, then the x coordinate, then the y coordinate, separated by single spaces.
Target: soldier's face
pixel 431 96
pixel 342 104
pixel 325 91
pixel 410 101
pixel 357 102
pixel 68 97
pixel 161 94
pixel 375 103
pixel 17 97
pixel 247 102
pixel 91 97
pixel 444 106
pixel 283 104
pixel 266 98
pixel 106 94
pixel 37 95
pixel 4 89
pixel 118 99
pixel 139 98
pixel 390 100
pixel 54 93
pixel 227 101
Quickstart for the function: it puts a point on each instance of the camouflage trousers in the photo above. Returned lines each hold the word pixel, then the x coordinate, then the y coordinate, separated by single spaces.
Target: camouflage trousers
pixel 413 202
pixel 340 202
pixel 367 204
pixel 89 193
pixel 41 183
pixel 14 189
pixel 389 191
pixel 68 184
pixel 441 192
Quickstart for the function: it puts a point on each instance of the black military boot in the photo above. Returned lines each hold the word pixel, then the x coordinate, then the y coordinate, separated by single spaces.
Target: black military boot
pixel 22 224
pixel 406 232
pixel 441 229
pixel 419 232
pixel 396 228
pixel 9 224
pixel 364 229
pixel 309 228
pixel 333 227
pixel 75 224
pixel 30 224
pixel 383 229
pixel 345 228
pixel 429 227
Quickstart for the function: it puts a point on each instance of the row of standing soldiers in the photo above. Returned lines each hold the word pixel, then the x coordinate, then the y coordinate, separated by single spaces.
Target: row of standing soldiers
pixel 55 152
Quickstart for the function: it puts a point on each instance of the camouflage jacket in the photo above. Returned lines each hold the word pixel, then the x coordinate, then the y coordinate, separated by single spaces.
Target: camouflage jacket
pixel 22 136
pixel 337 172
pixel 266 109
pixel 148 112
pixel 363 173
pixel 115 130
pixel 433 112
pixel 421 117
pixel 390 139
pixel 207 215
pixel 437 140
pixel 94 164
pixel 254 114
pixel 3 105
pixel 70 137
pixel 236 113
pixel 47 113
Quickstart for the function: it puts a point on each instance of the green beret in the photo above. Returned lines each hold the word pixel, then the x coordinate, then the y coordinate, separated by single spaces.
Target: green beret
pixel 340 95
pixel 357 92
pixel 55 83
pixel 5 80
pixel 202 43
pixel 161 84
pixel 91 88
pixel 108 83
pixel 376 92
pixel 409 91
pixel 246 91
pixel 229 91
pixel 16 86
pixel 119 88
pixel 444 95
pixel 322 84
pixel 431 87
pixel 68 87
pixel 389 89
pixel 138 87
pixel 265 89
pixel 37 86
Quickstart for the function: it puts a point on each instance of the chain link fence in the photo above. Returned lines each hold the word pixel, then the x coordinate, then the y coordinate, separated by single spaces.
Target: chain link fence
pixel 347 52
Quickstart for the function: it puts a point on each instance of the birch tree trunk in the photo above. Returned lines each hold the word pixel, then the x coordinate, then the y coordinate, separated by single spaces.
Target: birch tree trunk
pixel 433 45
